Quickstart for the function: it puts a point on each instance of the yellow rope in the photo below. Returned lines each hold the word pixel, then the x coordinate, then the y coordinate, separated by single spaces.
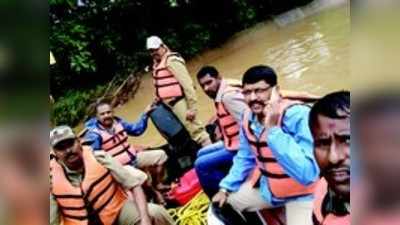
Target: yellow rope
pixel 193 213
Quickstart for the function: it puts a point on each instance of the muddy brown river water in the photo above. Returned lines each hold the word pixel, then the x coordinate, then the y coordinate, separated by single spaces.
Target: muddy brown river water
pixel 311 54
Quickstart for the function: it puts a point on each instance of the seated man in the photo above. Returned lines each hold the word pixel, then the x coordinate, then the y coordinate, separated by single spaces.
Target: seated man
pixel 91 187
pixel 330 127
pixel 110 133
pixel 275 165
pixel 214 161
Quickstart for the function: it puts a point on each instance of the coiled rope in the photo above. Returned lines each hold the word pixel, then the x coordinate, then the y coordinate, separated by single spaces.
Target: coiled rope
pixel 193 213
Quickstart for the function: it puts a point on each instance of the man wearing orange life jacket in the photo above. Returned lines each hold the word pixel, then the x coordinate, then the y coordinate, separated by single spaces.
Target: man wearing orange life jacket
pixel 109 133
pixel 174 86
pixel 214 161
pixel 330 127
pixel 275 165
pixel 91 187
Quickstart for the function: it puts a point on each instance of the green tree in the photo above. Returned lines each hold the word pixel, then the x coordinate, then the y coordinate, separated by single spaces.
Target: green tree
pixel 96 40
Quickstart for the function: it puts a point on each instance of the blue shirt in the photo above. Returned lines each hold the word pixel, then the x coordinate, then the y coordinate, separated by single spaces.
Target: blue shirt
pixel 132 129
pixel 299 163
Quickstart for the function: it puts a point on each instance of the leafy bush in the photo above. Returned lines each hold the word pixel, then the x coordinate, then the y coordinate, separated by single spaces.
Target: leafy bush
pixel 72 108
pixel 93 41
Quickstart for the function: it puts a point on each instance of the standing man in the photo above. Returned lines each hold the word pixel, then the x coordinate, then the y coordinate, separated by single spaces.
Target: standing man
pixel 90 187
pixel 174 86
pixel 109 133
pixel 275 165
pixel 330 127
pixel 214 161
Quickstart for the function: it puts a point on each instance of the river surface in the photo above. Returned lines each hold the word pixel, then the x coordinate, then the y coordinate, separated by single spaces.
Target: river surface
pixel 311 54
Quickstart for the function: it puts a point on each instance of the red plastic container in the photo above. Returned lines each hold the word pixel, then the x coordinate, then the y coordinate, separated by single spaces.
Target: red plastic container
pixel 186 189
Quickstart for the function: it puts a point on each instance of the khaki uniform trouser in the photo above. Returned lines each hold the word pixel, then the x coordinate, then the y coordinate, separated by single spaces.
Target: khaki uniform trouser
pixel 249 199
pixel 129 215
pixel 143 160
pixel 150 158
pixel 195 127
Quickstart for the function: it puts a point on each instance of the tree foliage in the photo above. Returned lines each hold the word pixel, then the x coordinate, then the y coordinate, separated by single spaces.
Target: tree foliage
pixel 95 40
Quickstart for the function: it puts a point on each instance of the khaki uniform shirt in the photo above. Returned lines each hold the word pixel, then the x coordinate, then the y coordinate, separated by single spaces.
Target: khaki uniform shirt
pixel 127 176
pixel 178 68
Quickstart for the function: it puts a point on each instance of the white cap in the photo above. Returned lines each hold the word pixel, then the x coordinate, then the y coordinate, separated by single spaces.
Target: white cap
pixel 153 42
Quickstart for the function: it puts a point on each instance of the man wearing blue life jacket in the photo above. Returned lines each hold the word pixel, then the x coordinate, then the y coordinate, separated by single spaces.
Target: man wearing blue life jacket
pixel 110 133
pixel 275 164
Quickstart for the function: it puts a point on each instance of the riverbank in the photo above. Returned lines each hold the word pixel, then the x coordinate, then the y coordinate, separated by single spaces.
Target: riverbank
pixel 105 41
pixel 309 55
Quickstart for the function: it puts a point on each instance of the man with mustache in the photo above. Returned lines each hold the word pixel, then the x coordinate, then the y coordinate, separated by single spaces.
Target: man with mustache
pixel 174 86
pixel 91 187
pixel 330 127
pixel 275 165
pixel 214 161
pixel 110 133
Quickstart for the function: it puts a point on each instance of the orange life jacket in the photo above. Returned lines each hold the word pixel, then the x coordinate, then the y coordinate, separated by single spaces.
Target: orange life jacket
pixel 117 144
pixel 329 219
pixel 299 96
pixel 280 184
pixel 228 126
pixel 98 196
pixel 167 86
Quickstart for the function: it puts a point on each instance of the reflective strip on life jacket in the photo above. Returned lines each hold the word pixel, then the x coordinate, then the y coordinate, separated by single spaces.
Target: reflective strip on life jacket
pixel 98 196
pixel 117 144
pixel 227 124
pixel 228 127
pixel 166 85
pixel 69 198
pixel 280 183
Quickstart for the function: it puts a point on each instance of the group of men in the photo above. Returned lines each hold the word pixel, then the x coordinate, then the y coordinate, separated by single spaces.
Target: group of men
pixel 274 149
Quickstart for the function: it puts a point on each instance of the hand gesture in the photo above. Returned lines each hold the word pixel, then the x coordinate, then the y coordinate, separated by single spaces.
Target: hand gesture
pixel 149 108
pixel 190 115
pixel 271 110
pixel 220 198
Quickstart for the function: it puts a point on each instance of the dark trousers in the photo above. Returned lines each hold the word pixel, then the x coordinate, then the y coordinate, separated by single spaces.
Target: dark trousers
pixel 212 165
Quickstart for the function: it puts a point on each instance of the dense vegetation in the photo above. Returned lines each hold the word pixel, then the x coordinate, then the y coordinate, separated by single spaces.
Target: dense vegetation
pixel 97 41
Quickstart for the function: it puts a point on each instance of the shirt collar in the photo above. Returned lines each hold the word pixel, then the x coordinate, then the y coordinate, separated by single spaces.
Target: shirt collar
pixel 221 89
pixel 255 125
pixel 254 120
pixel 99 126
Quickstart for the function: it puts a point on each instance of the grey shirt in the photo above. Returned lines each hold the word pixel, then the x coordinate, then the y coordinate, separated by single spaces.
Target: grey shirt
pixel 232 100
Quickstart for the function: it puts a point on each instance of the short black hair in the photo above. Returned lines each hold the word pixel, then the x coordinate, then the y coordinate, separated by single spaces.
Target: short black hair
pixel 101 102
pixel 331 105
pixel 207 70
pixel 259 73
